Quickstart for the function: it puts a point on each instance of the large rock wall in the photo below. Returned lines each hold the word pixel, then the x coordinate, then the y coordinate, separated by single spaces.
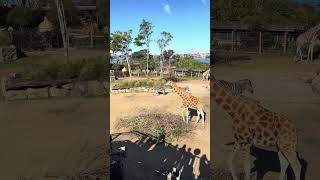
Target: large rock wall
pixel 75 89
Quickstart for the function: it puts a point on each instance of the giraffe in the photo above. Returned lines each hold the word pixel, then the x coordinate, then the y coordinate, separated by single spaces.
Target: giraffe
pixel 308 38
pixel 206 75
pixel 255 124
pixel 188 101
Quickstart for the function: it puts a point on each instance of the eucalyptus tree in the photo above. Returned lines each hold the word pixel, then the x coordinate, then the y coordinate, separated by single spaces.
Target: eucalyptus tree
pixel 144 38
pixel 120 42
pixel 163 42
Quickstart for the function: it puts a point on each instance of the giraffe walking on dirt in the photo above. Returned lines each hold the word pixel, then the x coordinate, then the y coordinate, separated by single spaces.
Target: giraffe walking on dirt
pixel 206 75
pixel 307 39
pixel 255 124
pixel 188 101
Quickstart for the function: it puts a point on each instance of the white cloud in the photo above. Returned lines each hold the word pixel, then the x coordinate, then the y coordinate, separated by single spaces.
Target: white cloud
pixel 204 2
pixel 167 8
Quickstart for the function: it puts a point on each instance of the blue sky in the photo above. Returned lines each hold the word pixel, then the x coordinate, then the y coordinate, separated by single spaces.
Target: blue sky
pixel 187 20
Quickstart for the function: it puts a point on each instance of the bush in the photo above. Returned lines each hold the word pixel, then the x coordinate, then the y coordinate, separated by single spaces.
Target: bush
pixel 156 124
pixel 142 83
pixel 87 69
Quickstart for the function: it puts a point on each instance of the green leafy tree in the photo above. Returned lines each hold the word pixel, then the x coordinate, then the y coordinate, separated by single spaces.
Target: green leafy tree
pixel 163 42
pixel 20 17
pixel 190 63
pixel 144 38
pixel 120 42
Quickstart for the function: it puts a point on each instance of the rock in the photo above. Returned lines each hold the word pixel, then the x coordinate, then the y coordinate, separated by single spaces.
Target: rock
pixel 15 95
pixel 34 93
pixel 80 89
pixel 8 54
pixel 315 85
pixel 95 88
pixel 58 92
pixel 67 86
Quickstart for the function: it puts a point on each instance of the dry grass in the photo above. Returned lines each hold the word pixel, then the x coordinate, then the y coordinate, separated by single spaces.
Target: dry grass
pixel 166 126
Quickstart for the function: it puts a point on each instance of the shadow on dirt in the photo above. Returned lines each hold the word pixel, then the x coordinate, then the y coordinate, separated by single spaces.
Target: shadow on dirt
pixel 147 157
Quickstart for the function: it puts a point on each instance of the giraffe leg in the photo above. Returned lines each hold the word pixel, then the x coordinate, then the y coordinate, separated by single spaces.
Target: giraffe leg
pixel 245 151
pixel 294 162
pixel 231 162
pixel 198 116
pixel 202 115
pixel 182 114
pixel 283 165
pixel 187 114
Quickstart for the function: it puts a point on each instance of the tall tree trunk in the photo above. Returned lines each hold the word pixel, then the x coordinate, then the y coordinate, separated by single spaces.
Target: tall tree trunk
pixel 129 67
pixel 161 63
pixel 148 60
pixel 91 34
pixel 63 29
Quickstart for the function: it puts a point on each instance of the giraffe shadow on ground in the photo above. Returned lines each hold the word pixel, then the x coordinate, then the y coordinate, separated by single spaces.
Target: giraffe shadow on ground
pixel 147 158
pixel 268 161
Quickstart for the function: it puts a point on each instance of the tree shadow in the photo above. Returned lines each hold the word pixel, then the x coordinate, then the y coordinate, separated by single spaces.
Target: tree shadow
pixel 149 158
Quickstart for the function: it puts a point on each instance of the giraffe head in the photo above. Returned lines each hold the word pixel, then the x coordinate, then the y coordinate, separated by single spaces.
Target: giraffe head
pixel 169 83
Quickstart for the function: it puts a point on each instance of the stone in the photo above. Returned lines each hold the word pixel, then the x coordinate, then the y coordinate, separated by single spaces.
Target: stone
pixel 34 93
pixel 58 92
pixel 96 88
pixel 8 54
pixel 315 84
pixel 16 95
pixel 67 86
pixel 80 89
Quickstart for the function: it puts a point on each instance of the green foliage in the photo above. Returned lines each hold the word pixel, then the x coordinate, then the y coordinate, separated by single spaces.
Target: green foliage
pixel 144 36
pixel 190 63
pixel 257 13
pixel 142 83
pixel 20 16
pixel 153 63
pixel 168 53
pixel 120 42
pixel 86 69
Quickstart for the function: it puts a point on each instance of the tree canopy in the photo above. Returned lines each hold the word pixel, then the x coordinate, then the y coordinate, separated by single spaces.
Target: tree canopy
pixel 190 63
pixel 258 13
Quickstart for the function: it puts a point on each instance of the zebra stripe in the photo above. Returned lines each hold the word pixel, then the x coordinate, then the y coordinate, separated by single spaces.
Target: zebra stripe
pixel 237 87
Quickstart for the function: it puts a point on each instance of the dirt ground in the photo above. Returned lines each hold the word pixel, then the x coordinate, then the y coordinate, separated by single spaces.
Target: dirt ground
pixel 46 136
pixel 194 148
pixel 276 84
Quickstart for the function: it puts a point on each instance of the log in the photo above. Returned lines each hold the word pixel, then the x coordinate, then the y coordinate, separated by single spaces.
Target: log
pixel 22 85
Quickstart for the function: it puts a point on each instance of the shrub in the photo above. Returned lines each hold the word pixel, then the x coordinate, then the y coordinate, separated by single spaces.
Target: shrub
pixel 87 69
pixel 142 83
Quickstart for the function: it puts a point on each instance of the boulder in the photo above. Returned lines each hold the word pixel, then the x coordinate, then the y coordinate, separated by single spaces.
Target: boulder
pixel 34 93
pixel 95 88
pixel 15 95
pixel 80 89
pixel 58 92
pixel 315 84
pixel 8 54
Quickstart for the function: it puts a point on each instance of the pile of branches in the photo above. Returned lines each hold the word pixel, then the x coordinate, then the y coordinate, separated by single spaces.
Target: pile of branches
pixel 166 126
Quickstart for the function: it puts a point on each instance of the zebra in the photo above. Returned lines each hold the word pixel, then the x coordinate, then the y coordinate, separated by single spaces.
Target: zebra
pixel 237 87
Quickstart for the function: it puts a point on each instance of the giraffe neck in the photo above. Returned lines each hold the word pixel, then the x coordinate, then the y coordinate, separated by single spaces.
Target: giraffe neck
pixel 178 90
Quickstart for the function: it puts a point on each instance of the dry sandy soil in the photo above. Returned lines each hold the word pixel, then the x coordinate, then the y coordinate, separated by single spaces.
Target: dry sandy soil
pixel 46 136
pixel 276 84
pixel 192 152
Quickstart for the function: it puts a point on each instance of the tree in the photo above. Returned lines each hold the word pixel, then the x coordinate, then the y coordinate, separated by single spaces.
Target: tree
pixel 190 63
pixel 89 27
pixel 63 28
pixel 20 16
pixel 102 12
pixel 163 42
pixel 120 42
pixel 144 38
